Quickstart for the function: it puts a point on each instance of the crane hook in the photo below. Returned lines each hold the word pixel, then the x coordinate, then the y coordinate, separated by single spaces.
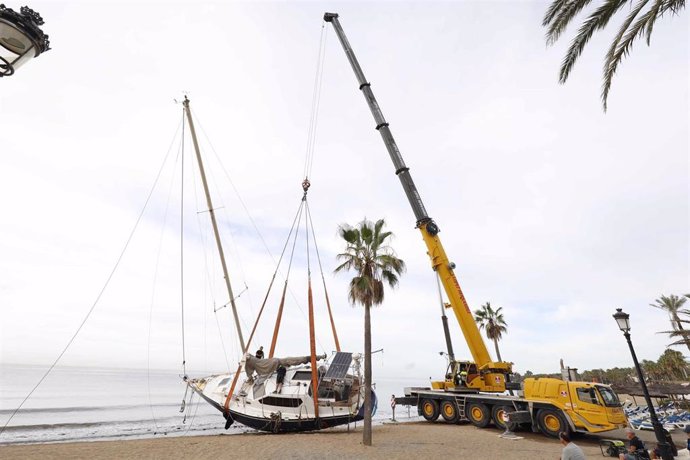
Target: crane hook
pixel 305 186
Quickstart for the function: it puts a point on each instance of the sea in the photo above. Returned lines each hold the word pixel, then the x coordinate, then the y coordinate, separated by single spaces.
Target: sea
pixel 96 404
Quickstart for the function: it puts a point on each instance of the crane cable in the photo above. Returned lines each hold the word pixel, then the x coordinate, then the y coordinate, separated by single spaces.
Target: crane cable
pixel 315 105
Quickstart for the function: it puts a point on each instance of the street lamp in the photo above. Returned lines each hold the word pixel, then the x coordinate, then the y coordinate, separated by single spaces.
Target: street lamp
pixel 623 320
pixel 20 38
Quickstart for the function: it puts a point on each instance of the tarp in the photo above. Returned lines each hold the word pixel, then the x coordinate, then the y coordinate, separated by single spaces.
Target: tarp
pixel 266 367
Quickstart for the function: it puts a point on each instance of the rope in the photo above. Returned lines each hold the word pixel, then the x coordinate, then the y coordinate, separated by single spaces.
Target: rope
pixel 153 292
pixel 295 226
pixel 100 294
pixel 184 360
pixel 251 219
pixel 315 103
pixel 323 279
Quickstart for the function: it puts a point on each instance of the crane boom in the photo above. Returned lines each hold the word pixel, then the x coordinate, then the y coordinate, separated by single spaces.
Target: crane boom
pixel 493 374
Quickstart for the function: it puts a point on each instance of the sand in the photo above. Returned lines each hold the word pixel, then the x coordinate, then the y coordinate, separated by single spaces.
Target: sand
pixel 418 440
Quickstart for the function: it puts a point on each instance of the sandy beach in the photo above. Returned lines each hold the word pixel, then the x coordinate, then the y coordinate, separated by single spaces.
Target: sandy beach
pixel 405 440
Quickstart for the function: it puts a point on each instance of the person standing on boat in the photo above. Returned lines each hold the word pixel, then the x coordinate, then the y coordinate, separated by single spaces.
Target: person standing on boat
pixel 260 353
pixel 280 376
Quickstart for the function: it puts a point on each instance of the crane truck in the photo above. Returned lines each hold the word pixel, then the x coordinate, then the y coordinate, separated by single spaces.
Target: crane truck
pixel 475 390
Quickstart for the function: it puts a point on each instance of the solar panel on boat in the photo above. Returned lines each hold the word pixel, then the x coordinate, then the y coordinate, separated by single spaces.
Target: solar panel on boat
pixel 339 366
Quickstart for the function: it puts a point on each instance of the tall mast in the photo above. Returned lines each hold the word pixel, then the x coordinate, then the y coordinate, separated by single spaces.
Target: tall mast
pixel 211 211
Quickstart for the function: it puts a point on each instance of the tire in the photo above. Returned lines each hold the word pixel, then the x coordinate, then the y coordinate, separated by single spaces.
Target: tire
pixel 551 422
pixel 478 414
pixel 497 414
pixel 429 409
pixel 449 411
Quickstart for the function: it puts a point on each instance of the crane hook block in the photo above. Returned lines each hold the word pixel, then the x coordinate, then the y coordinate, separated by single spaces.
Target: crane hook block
pixel 305 185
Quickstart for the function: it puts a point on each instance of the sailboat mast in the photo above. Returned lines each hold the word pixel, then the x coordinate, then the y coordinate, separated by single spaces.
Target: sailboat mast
pixel 211 211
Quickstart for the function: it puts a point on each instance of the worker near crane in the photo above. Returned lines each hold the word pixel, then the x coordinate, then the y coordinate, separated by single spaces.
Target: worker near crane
pixel 636 449
pixel 571 451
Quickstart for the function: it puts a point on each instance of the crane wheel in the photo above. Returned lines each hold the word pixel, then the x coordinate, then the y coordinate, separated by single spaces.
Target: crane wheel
pixel 478 414
pixel 449 411
pixel 551 422
pixel 430 409
pixel 498 414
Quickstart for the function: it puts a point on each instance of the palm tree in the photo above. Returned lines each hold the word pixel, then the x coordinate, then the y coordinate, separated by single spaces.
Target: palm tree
pixel 639 22
pixel 374 262
pixel 672 305
pixel 491 320
pixel 674 363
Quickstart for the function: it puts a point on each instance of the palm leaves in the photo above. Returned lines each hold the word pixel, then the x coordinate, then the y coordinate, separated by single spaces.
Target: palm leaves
pixel 491 320
pixel 636 24
pixel 369 256
pixel 673 304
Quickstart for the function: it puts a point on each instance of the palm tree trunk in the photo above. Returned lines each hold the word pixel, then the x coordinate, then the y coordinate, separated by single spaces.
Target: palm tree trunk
pixel 367 375
pixel 498 353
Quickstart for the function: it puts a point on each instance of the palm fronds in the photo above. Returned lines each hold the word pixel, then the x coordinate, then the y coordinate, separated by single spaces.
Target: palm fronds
pixel 562 12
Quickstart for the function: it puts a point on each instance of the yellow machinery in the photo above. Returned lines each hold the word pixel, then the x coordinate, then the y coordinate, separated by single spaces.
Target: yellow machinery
pixel 470 389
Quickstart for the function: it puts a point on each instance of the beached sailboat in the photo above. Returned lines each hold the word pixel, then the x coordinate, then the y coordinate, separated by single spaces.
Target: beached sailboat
pixel 290 394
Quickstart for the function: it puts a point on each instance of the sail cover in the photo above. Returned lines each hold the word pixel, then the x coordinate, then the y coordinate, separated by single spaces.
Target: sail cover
pixel 265 367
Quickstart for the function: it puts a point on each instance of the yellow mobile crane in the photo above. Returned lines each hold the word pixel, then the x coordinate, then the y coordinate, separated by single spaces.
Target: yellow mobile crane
pixel 472 391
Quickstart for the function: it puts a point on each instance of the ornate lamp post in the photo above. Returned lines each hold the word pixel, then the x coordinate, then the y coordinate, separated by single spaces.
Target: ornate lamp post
pixel 623 320
pixel 20 38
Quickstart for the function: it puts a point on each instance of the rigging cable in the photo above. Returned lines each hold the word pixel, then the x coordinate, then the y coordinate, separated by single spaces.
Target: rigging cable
pixel 256 228
pixel 153 291
pixel 276 328
pixel 184 360
pixel 100 294
pixel 209 278
pixel 323 279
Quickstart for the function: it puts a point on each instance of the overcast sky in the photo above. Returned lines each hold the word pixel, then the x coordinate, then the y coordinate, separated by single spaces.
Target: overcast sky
pixel 551 209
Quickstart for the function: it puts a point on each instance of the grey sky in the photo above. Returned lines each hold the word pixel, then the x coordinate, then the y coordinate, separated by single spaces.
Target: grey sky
pixel 550 208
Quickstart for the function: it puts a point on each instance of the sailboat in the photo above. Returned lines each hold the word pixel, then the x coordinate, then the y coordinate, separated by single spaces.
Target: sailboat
pixel 289 394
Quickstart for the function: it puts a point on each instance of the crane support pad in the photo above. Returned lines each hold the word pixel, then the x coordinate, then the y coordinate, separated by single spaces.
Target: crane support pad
pixel 407 400
pixel 520 416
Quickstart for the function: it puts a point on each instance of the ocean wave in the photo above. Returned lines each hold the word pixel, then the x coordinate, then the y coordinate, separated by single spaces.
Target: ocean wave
pixel 48 410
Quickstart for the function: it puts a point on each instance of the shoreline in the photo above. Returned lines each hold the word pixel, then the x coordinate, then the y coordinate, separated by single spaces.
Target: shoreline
pixel 390 440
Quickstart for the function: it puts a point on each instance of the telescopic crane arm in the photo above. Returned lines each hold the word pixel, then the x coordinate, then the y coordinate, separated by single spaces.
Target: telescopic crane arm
pixel 494 373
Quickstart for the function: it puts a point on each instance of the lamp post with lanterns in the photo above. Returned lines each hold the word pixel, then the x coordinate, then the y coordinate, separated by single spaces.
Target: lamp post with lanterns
pixel 21 38
pixel 623 320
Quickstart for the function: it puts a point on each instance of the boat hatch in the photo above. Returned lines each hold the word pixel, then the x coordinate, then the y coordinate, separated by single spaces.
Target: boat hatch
pixel 302 375
pixel 224 382
pixel 280 401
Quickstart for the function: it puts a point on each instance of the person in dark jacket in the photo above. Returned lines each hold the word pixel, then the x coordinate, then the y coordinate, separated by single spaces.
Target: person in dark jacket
pixel 260 353
pixel 636 449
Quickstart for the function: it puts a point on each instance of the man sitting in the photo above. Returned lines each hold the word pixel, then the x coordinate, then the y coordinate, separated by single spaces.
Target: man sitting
pixel 636 449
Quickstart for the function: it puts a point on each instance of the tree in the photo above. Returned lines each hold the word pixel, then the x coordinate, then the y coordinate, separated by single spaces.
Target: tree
pixel 491 320
pixel 368 254
pixel 674 364
pixel 652 370
pixel 639 22
pixel 673 304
